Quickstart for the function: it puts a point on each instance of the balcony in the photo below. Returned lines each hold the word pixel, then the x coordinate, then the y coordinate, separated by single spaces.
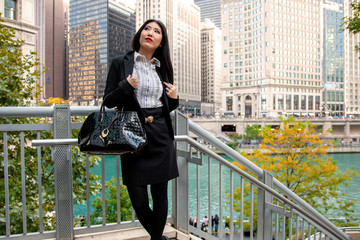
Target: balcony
pixel 264 206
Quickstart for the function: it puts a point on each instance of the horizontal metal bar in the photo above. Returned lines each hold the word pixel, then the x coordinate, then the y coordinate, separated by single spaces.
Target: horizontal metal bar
pixel 54 142
pixel 278 209
pixel 32 236
pixel 26 111
pixel 194 160
pixel 84 111
pixel 25 127
pixel 46 111
pixel 350 229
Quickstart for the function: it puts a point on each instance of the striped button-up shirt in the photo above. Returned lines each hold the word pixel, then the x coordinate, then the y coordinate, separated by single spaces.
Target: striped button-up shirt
pixel 149 86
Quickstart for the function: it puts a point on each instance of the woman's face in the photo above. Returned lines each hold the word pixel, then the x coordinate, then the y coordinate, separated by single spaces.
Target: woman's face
pixel 150 37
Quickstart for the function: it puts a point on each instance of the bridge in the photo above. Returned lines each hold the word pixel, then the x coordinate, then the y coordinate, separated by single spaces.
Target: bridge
pixel 266 206
pixel 344 129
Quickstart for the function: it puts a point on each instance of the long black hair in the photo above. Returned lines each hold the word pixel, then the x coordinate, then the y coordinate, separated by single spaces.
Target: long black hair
pixel 162 53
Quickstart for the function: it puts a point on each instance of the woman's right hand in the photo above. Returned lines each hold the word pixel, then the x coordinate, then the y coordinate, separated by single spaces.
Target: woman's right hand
pixel 132 80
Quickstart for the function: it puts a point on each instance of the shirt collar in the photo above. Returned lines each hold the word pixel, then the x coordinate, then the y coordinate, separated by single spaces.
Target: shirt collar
pixel 139 57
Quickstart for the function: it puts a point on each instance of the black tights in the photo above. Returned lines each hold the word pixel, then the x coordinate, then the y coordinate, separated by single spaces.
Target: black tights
pixel 153 220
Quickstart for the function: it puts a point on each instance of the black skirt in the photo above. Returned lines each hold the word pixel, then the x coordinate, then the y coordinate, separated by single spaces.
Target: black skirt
pixel 156 162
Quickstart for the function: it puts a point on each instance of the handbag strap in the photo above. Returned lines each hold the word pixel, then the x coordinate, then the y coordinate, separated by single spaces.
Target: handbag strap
pixel 101 113
pixel 102 109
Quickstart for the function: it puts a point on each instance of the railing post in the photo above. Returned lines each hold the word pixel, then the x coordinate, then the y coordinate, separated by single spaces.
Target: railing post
pixel 61 156
pixel 264 224
pixel 181 203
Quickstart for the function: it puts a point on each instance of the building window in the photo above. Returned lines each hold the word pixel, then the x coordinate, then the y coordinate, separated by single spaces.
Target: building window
pixel 311 103
pixel 288 102
pixel 296 102
pixel 229 104
pixel 280 102
pixel 317 103
pixel 263 102
pixel 303 102
pixel 9 9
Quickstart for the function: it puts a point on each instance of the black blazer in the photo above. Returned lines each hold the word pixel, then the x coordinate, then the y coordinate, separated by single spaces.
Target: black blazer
pixel 119 93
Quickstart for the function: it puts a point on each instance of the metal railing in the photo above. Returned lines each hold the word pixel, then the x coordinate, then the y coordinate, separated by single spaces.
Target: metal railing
pixel 254 203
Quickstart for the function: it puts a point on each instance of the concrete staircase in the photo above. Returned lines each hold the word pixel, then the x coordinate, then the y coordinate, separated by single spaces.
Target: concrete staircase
pixel 138 233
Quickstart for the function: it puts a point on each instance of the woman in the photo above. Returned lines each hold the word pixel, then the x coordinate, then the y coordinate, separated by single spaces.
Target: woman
pixel 142 81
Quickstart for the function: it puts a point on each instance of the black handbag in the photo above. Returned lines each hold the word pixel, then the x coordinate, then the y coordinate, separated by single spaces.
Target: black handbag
pixel 112 133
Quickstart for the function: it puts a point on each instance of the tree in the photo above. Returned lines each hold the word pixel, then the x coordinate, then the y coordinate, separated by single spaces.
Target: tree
pixel 252 132
pixel 295 155
pixel 236 137
pixel 18 71
pixel 352 23
pixel 57 100
pixel 111 204
pixel 18 77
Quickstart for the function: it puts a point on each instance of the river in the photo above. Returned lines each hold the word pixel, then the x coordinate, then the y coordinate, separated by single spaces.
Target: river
pixel 344 161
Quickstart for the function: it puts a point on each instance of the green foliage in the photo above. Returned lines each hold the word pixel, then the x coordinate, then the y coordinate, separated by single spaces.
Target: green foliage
pixel 231 144
pixel 349 222
pixel 18 71
pixel 111 204
pixel 18 75
pixel 352 23
pixel 296 156
pixel 31 182
pixel 235 136
pixel 247 191
pixel 252 132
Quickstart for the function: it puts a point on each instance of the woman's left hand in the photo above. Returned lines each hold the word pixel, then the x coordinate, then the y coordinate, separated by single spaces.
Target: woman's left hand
pixel 170 90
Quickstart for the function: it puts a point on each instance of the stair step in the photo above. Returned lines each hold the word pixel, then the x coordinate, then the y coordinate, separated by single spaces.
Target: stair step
pixel 137 233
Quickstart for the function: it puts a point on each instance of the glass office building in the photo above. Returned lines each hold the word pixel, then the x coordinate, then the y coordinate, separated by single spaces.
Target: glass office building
pixel 333 59
pixel 210 10
pixel 98 31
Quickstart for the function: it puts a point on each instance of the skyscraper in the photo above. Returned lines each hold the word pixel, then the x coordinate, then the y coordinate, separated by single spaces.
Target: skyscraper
pixel 211 52
pixel 352 69
pixel 99 31
pixel 182 20
pixel 55 77
pixel 210 10
pixel 271 58
pixel 333 58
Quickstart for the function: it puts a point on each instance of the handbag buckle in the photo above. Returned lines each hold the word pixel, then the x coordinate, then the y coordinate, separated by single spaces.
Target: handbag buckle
pixel 105 133
pixel 149 119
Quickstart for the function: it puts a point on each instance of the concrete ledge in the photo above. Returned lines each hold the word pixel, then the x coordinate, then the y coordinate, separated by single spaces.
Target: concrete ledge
pixel 138 233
